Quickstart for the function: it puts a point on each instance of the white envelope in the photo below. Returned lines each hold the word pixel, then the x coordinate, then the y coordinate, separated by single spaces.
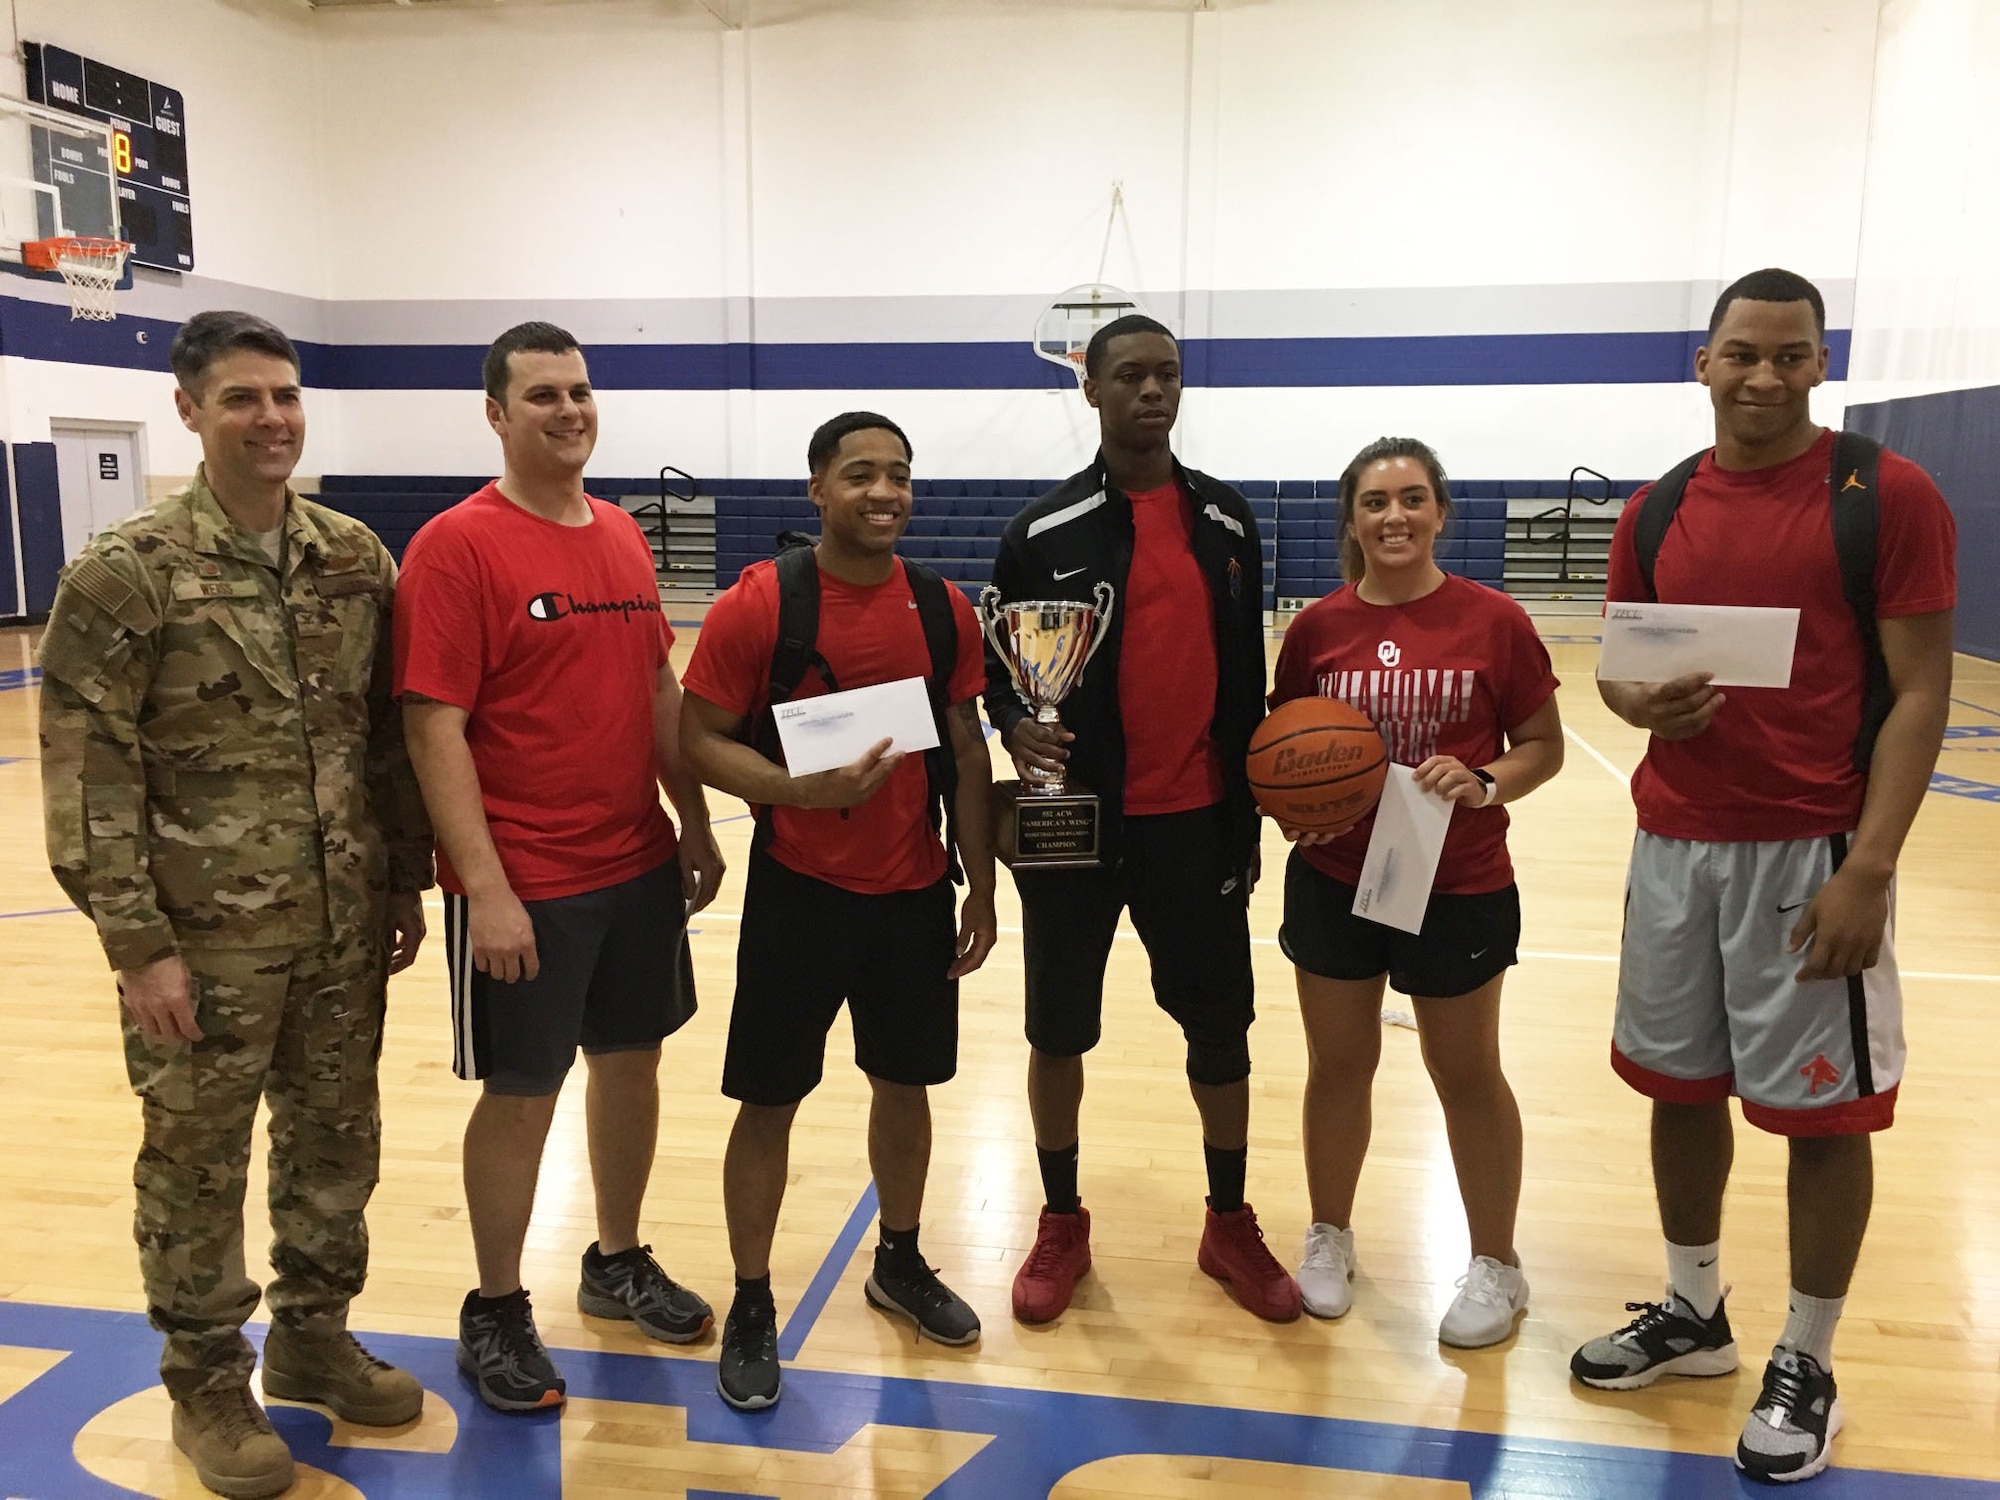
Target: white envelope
pixel 1402 857
pixel 1743 647
pixel 836 728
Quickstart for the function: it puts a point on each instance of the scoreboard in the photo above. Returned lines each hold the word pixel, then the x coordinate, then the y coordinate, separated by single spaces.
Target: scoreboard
pixel 147 167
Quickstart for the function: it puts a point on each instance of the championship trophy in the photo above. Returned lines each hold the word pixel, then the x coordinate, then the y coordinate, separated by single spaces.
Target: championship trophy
pixel 1046 822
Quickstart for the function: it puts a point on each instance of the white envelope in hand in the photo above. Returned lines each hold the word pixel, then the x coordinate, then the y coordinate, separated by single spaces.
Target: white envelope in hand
pixel 1741 646
pixel 820 734
pixel 1402 857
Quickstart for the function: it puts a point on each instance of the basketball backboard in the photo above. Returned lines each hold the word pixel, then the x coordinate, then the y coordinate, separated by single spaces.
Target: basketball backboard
pixel 1063 330
pixel 56 177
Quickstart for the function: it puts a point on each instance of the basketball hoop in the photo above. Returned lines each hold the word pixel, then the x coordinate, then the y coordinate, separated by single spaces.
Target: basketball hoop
pixel 1062 332
pixel 90 267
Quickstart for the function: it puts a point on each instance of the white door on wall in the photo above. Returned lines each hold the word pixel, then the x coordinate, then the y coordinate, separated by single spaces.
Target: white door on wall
pixel 98 473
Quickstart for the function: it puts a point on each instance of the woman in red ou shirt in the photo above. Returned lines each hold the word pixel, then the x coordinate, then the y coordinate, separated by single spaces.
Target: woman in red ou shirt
pixel 1459 685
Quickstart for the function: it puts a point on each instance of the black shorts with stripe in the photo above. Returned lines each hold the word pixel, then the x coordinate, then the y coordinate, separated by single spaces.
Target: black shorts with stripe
pixel 614 977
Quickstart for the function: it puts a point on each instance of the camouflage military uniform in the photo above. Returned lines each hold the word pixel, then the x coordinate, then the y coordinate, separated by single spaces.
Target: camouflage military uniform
pixel 224 777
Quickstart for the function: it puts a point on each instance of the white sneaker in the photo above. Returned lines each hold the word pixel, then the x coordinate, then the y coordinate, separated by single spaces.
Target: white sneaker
pixel 1326 1269
pixel 1490 1297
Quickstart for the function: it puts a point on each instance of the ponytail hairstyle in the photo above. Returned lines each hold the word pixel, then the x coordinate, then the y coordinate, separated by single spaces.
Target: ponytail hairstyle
pixel 1352 562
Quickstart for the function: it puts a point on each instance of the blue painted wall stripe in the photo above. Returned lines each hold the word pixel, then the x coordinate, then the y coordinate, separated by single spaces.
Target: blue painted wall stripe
pixel 35 330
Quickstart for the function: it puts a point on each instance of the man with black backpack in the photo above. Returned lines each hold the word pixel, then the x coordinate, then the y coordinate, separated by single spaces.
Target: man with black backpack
pixel 849 895
pixel 1759 951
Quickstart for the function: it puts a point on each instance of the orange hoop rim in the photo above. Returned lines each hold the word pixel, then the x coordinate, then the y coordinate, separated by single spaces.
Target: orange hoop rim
pixel 48 254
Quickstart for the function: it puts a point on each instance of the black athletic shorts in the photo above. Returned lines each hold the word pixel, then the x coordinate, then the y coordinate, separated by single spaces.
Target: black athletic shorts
pixel 614 977
pixel 806 946
pixel 1466 939
pixel 1192 913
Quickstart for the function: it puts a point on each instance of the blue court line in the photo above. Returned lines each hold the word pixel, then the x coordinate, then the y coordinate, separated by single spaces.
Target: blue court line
pixel 14 760
pixel 1960 786
pixel 52 911
pixel 1035 1437
pixel 1979 708
pixel 798 1328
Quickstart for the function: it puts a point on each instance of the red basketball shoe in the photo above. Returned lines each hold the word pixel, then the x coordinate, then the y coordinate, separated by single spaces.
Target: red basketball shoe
pixel 1048 1277
pixel 1234 1253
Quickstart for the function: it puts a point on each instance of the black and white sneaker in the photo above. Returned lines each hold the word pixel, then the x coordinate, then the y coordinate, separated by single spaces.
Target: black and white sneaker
pixel 911 1289
pixel 748 1375
pixel 1790 1432
pixel 632 1286
pixel 1668 1338
pixel 499 1348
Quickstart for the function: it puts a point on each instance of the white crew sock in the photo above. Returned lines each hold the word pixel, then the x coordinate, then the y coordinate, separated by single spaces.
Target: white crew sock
pixel 1694 1272
pixel 1809 1326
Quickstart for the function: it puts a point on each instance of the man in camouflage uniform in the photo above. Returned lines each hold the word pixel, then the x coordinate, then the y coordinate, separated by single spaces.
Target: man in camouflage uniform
pixel 228 798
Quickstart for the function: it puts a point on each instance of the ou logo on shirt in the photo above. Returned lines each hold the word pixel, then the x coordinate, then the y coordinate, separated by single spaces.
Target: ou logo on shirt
pixel 1389 653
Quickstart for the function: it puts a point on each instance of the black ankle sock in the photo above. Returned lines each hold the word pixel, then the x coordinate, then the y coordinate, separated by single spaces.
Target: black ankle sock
pixel 899 1245
pixel 487 1304
pixel 1225 1177
pixel 1059 1179
pixel 753 1291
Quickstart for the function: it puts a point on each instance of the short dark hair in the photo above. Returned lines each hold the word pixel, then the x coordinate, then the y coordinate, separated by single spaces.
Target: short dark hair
pixel 207 336
pixel 541 338
pixel 1769 285
pixel 827 436
pixel 1093 352
pixel 1353 563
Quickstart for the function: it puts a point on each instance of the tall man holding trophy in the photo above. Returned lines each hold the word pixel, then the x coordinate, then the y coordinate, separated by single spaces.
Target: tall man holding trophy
pixel 1152 575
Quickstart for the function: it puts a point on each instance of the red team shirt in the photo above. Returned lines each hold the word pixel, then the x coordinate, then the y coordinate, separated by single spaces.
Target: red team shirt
pixel 551 639
pixel 1166 669
pixel 1447 674
pixel 868 634
pixel 1776 763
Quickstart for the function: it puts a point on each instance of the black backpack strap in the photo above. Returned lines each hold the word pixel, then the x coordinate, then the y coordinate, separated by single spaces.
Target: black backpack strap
pixel 796 653
pixel 933 599
pixel 1656 514
pixel 1854 486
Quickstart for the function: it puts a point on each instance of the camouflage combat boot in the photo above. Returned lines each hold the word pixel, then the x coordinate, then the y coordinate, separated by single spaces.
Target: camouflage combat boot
pixel 229 1440
pixel 332 1370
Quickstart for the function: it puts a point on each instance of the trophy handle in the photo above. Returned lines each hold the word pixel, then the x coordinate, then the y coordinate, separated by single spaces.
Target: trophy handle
pixel 990 624
pixel 1105 599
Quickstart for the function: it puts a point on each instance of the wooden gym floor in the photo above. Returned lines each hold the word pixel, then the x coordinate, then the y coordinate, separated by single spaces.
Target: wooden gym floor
pixel 1154 1383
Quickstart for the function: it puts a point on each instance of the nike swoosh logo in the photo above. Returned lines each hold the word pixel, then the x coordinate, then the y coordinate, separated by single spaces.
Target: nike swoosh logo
pixel 1479 952
pixel 1059 577
pixel 1704 1265
pixel 1785 911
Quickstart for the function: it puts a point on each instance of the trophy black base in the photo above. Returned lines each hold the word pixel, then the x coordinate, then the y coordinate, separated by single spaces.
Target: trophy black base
pixel 1037 831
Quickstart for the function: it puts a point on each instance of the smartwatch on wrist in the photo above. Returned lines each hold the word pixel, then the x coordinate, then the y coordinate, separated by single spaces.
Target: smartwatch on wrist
pixel 1492 787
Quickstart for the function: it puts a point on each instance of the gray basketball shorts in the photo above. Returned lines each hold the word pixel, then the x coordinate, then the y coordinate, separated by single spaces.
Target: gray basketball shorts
pixel 1710 1003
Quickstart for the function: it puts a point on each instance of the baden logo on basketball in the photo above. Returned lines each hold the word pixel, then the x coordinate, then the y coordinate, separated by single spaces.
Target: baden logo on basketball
pixel 1317 764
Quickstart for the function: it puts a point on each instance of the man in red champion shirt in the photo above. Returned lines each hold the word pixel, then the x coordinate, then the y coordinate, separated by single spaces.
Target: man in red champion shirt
pixel 848 897
pixel 1158 727
pixel 543 718
pixel 1759 954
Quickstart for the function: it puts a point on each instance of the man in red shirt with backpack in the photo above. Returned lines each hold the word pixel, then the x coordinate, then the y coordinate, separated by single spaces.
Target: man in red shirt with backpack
pixel 1759 938
pixel 849 895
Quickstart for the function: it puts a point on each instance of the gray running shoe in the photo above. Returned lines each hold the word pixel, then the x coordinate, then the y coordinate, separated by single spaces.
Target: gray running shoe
pixel 1667 1338
pixel 632 1286
pixel 748 1375
pixel 1790 1432
pixel 500 1349
pixel 912 1290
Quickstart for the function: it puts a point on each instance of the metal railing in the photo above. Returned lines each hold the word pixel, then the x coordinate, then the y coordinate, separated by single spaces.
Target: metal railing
pixel 1565 514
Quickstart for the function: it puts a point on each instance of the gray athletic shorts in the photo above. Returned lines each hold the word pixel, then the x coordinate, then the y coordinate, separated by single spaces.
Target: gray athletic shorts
pixel 1709 1002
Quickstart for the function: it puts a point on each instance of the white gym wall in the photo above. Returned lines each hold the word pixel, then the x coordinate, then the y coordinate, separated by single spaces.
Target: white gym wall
pixel 890 170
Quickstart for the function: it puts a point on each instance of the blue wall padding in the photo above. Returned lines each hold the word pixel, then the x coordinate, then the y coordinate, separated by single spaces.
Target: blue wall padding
pixel 1956 436
pixel 10 603
pixel 41 523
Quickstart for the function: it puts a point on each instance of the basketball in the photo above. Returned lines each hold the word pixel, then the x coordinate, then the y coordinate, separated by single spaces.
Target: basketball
pixel 1317 764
